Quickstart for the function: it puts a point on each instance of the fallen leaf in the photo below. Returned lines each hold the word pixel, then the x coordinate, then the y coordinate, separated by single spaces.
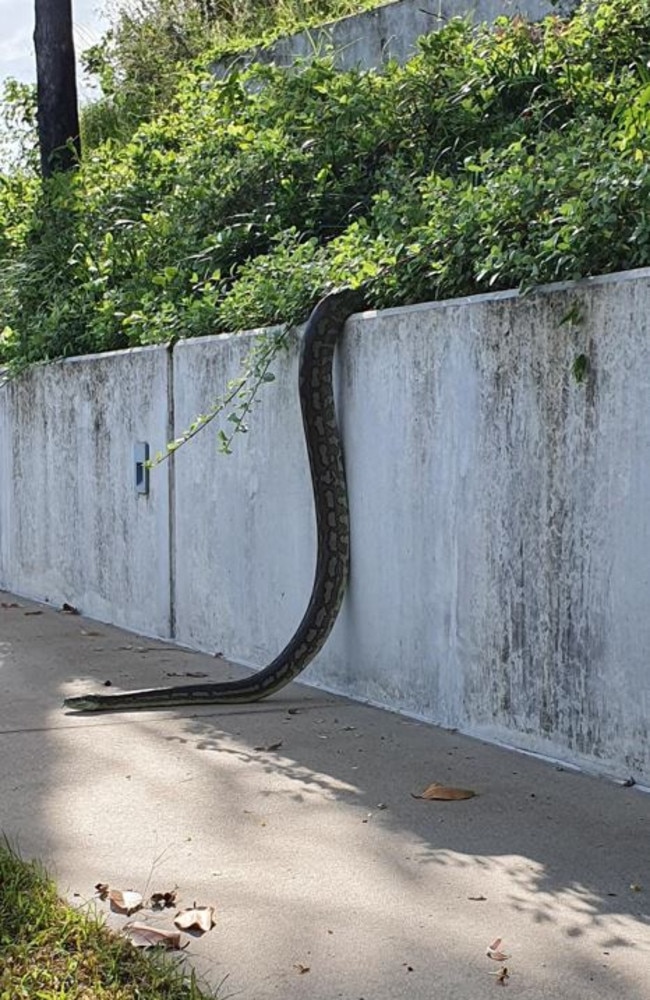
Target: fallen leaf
pixel 10 604
pixel 161 900
pixel 102 890
pixel 125 900
pixel 301 968
pixel 143 936
pixel 270 747
pixel 200 918
pixel 477 899
pixel 444 793
pixel 494 951
pixel 69 609
pixel 502 976
pixel 33 612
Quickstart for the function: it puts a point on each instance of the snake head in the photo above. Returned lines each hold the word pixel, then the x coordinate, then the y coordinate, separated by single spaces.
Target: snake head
pixel 82 703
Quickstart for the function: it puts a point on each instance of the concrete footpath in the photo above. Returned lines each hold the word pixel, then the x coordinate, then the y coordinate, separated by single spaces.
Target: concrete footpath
pixel 295 818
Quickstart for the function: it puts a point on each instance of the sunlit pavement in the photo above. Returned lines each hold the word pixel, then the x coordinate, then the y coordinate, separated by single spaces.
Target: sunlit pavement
pixel 296 819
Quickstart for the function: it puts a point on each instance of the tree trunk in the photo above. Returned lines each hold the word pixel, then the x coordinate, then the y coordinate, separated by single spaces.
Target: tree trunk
pixel 56 86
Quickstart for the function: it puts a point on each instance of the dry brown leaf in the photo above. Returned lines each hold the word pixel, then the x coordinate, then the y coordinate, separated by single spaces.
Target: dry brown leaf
pixel 143 936
pixel 502 976
pixel 444 793
pixel 32 612
pixel 101 889
pixel 478 899
pixel 200 918
pixel 161 900
pixel 301 968
pixel 494 951
pixel 125 900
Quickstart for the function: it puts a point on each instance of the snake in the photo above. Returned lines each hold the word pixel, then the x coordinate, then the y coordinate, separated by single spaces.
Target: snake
pixel 324 450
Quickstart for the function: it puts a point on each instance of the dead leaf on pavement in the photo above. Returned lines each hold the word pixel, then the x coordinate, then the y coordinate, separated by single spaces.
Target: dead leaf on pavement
pixel 270 747
pixel 301 968
pixel 125 900
pixel 101 889
pixel 143 936
pixel 200 918
pixel 161 900
pixel 10 604
pixel 494 951
pixel 32 612
pixel 444 794
pixel 478 899
pixel 69 609
pixel 502 976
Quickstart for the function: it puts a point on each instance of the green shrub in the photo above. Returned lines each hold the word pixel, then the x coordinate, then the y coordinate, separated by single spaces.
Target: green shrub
pixel 492 159
pixel 140 60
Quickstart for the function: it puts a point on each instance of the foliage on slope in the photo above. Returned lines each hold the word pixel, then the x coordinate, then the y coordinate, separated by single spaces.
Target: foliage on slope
pixel 141 57
pixel 493 159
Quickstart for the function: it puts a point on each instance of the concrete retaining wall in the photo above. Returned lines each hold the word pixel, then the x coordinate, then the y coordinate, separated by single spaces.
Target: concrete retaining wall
pixel 389 32
pixel 500 512
pixel 72 527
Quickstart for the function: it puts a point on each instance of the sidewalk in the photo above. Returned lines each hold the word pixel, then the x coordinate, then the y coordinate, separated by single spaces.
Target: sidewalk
pixel 295 819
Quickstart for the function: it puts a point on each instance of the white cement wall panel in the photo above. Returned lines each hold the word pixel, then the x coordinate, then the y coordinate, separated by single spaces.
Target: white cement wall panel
pixel 232 593
pixel 73 527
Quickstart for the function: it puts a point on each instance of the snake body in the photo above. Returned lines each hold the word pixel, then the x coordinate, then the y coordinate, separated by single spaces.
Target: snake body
pixel 322 439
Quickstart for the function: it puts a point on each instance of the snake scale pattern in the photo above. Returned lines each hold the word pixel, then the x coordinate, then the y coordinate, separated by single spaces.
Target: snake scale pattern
pixel 332 531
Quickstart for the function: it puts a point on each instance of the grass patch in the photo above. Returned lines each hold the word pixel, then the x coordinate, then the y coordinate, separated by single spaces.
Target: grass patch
pixel 50 951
